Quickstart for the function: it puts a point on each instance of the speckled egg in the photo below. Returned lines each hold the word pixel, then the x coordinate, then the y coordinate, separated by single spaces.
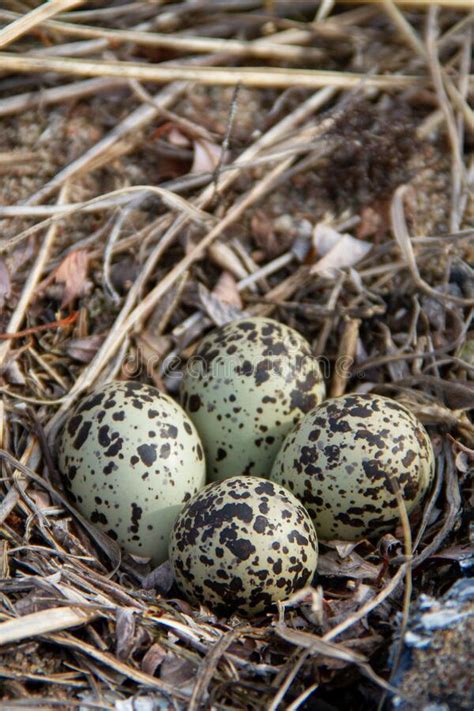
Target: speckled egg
pixel 340 459
pixel 243 543
pixel 248 384
pixel 131 458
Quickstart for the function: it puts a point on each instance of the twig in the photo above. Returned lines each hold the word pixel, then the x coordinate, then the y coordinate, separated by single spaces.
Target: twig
pixel 107 545
pixel 208 667
pixel 407 593
pixel 189 127
pixel 71 49
pixel 302 697
pixel 323 646
pixel 453 498
pixel 108 251
pixel 118 141
pixel 170 199
pixel 428 508
pixel 283 688
pixel 263 49
pixel 369 606
pixel 98 154
pixel 115 12
pixel 56 95
pixel 445 106
pixel 27 22
pixel 345 356
pixel 216 76
pixel 457 207
pixel 32 280
pixel 145 306
pixel 452 4
pixel 61 323
pixel 38 623
pixel 401 235
pixel 129 672
pixel 438 74
pixel 328 322
pixel 464 23
pixel 226 140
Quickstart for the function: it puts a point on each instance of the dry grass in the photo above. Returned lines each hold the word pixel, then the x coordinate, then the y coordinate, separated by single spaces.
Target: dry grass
pixel 358 118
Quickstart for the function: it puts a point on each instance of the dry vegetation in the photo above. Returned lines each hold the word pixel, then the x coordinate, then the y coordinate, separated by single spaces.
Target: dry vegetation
pixel 163 168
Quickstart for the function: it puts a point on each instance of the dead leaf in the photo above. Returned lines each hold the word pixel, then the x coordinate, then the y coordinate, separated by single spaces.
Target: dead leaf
pixel 353 566
pixel 462 462
pixel 371 222
pixel 206 156
pixel 72 272
pixel 345 548
pixel 35 601
pixel 177 138
pixel 84 349
pixel 398 369
pixel 21 255
pixel 265 237
pixel 313 598
pixel 161 579
pixel 13 373
pixel 41 498
pixel 222 255
pixel 5 282
pixel 226 290
pixel 457 553
pixel 218 311
pixel 153 658
pixel 176 671
pixel 337 250
pixel 125 632
pixel 339 609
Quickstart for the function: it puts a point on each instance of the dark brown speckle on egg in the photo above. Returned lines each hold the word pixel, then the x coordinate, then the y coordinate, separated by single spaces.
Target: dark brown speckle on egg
pixel 137 445
pixel 247 385
pixel 243 544
pixel 343 458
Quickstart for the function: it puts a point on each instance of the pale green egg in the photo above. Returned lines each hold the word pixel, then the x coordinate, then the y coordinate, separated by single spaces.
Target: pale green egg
pixel 248 384
pixel 347 457
pixel 131 458
pixel 243 544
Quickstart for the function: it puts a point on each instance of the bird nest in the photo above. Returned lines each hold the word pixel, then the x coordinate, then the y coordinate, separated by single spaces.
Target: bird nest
pixel 170 167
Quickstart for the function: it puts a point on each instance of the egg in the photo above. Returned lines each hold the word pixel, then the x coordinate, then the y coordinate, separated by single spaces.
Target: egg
pixel 131 458
pixel 248 384
pixel 243 543
pixel 341 458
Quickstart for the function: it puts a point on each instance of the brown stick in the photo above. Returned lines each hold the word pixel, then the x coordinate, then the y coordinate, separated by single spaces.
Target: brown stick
pixel 345 356
pixel 62 323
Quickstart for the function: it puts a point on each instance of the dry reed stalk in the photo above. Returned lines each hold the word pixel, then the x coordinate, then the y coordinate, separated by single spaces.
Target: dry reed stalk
pixel 54 619
pixel 32 19
pixel 34 276
pixel 275 78
pixel 56 95
pixel 418 4
pixel 441 79
pixel 261 48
